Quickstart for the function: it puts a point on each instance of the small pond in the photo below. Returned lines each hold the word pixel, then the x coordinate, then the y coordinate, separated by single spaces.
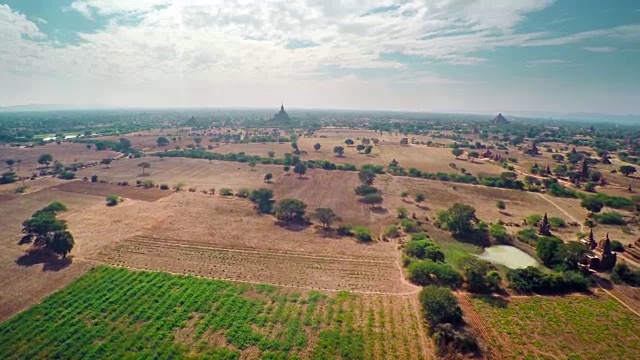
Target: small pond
pixel 509 256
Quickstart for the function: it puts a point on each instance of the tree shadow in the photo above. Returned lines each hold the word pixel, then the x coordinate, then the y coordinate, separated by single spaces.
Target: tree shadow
pixel 505 213
pixel 296 227
pixel 423 207
pixel 379 210
pixel 496 301
pixel 303 178
pixel 50 261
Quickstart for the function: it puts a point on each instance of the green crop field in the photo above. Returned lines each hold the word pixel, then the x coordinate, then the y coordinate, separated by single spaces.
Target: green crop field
pixel 116 313
pixel 570 327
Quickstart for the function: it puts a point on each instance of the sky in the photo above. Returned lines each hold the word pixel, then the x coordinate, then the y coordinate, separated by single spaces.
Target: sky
pixel 483 56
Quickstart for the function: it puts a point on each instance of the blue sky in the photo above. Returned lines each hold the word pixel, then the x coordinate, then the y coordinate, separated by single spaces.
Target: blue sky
pixel 430 55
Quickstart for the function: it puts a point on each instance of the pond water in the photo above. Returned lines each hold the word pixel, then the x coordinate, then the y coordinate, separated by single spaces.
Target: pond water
pixel 509 256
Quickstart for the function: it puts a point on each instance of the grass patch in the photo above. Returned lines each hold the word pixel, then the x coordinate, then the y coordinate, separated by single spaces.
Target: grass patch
pixel 573 327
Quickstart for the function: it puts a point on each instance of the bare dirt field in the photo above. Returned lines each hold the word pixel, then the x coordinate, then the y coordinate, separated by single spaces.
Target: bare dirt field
pixel 65 152
pixel 101 189
pixel 233 243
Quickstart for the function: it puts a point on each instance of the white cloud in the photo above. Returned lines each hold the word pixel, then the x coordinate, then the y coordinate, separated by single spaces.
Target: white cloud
pixel 193 46
pixel 547 62
pixel 601 49
pixel 81 7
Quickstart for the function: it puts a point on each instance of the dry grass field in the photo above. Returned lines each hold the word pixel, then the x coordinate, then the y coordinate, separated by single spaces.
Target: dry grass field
pixel 65 152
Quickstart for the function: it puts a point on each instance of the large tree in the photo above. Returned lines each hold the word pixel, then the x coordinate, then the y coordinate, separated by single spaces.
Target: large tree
pixel 338 150
pixel 439 306
pixel 263 199
pixel 592 204
pixel 457 152
pixel 45 159
pixel 458 218
pixel 44 230
pixel 326 216
pixel 290 210
pixel 316 146
pixel 162 141
pixel 627 170
pixel 144 165
pixel 300 169
pixel 366 176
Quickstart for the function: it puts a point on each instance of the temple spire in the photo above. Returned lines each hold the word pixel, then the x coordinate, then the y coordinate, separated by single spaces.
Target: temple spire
pixel 606 247
pixel 592 241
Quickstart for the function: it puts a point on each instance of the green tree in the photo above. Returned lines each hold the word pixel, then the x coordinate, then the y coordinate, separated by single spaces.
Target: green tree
pixel 627 170
pixel 402 212
pixel 366 176
pixel 480 276
pixel 10 162
pixel 144 165
pixel 360 147
pixel 268 177
pixel 338 150
pixel 594 205
pixel 550 250
pixel 300 169
pixel 372 199
pixel 349 142
pixel 106 162
pixel 286 168
pixel 574 253
pixel 326 216
pixel 44 230
pixel 458 218
pixel 457 152
pixel 263 199
pixel 290 210
pixel 440 306
pixel 45 159
pixel 162 141
pixel 317 146
pixel 112 200
pixel 557 157
pixel 252 164
pixel 473 155
pixel 501 205
pixel 420 197
pixel 8 177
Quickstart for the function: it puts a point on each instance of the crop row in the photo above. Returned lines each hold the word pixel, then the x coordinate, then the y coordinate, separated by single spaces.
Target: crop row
pixel 117 313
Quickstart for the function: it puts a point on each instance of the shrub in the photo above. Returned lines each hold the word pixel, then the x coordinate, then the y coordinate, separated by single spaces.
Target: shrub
pixel 21 189
pixel 362 233
pixel 402 212
pixel 528 236
pixel 449 339
pixel 550 250
pixel 617 246
pixel 426 272
pixel 439 306
pixel 533 280
pixel 164 187
pixel 147 184
pixel 243 193
pixel 67 175
pixel 364 190
pixel 499 234
pixel 178 186
pixel 94 178
pixel 391 232
pixel 226 192
pixel 557 222
pixel 610 218
pixel 409 226
pixel 112 200
pixel 424 249
pixel 344 230
pixel 533 219
pixel 622 273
